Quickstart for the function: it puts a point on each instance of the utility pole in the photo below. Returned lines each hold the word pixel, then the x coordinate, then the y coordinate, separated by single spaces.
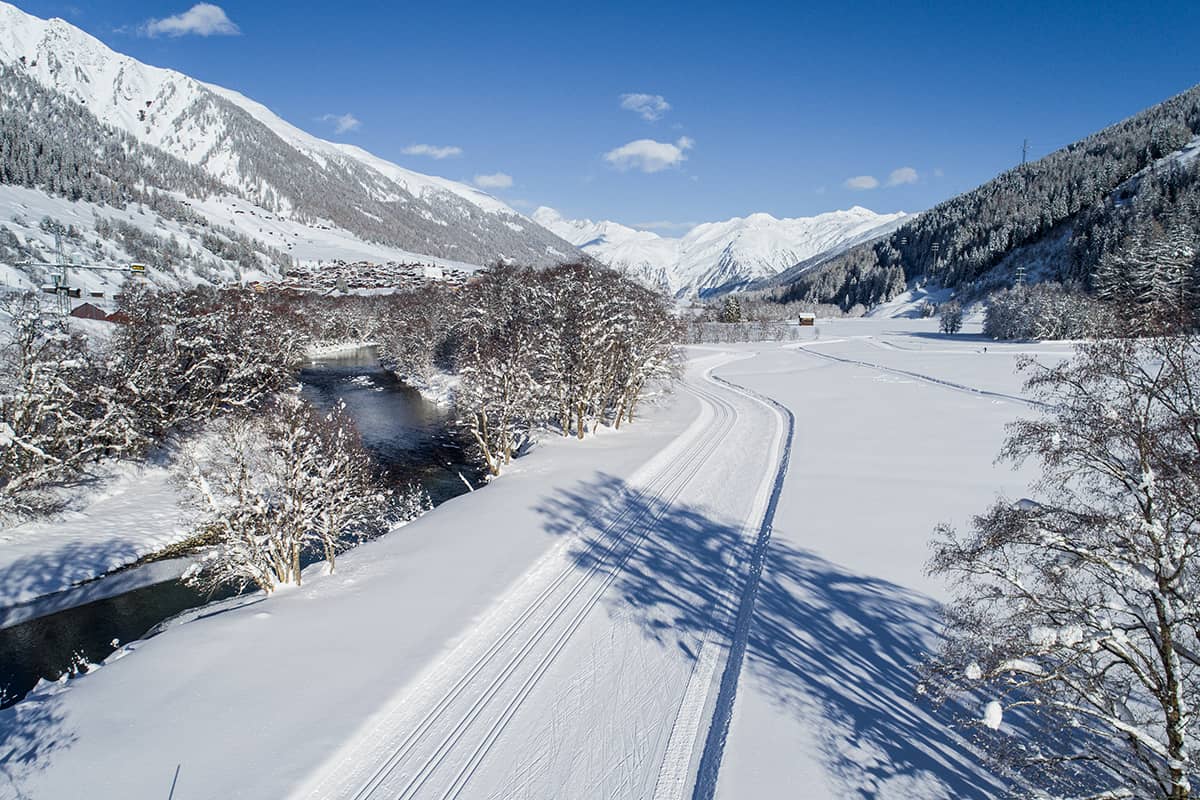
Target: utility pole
pixel 1020 276
pixel 62 287
pixel 1024 152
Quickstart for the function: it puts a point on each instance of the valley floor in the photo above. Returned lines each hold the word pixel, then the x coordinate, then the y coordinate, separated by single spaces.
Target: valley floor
pixel 611 619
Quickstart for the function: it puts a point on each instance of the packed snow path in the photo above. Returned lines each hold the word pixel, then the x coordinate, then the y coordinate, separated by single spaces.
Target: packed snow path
pixel 559 690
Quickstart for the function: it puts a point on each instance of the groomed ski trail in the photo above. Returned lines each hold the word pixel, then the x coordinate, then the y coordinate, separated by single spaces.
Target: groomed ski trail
pixel 433 737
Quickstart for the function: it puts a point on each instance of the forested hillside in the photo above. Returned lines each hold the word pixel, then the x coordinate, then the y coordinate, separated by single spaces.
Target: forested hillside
pixel 1086 214
pixel 81 121
pixel 56 146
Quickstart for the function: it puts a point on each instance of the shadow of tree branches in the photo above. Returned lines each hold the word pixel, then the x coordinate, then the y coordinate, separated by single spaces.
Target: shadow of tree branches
pixel 839 651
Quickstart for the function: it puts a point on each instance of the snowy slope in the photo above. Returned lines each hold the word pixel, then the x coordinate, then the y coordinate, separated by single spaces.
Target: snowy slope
pixel 718 257
pixel 646 255
pixel 25 209
pixel 267 161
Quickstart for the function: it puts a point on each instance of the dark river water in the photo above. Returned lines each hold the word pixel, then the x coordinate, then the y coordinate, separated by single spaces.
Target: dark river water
pixel 411 439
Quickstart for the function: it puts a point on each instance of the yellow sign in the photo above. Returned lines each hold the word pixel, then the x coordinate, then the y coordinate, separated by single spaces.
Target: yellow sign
pixel 137 267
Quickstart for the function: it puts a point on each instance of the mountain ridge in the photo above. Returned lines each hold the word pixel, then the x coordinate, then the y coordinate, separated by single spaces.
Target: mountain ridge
pixel 718 257
pixel 266 160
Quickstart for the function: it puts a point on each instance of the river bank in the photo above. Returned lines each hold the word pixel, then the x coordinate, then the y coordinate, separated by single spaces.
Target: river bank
pixel 76 586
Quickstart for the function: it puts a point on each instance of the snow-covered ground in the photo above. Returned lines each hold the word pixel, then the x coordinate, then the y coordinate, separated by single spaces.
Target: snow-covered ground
pixel 125 512
pixel 827 698
pixel 580 627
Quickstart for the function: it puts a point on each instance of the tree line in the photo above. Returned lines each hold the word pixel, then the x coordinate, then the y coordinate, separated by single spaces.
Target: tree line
pixel 567 348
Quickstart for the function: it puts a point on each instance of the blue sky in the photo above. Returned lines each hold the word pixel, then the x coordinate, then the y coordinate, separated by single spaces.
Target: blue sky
pixel 748 106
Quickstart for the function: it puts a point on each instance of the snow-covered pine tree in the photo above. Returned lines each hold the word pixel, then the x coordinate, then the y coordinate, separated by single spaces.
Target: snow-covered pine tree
pixel 731 309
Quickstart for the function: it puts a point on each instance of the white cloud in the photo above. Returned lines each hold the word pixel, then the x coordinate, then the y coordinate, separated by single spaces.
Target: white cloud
pixel 343 122
pixel 649 155
pixel 649 106
pixel 862 182
pixel 431 150
pixel 497 180
pixel 901 176
pixel 202 19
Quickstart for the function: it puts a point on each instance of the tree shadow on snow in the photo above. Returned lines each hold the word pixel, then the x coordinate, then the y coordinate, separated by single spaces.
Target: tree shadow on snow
pixel 837 650
pixel 72 563
pixel 29 733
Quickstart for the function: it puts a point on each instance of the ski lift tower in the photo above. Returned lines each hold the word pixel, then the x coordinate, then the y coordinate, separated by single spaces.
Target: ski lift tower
pixel 62 287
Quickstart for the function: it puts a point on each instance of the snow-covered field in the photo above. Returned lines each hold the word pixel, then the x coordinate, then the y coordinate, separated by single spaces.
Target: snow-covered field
pixel 827 699
pixel 582 627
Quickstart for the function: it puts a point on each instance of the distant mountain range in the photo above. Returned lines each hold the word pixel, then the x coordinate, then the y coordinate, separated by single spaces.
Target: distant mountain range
pixel 66 96
pixel 718 257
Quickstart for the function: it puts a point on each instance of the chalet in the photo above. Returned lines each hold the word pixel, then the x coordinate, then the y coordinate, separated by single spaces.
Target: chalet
pixel 807 320
pixel 89 311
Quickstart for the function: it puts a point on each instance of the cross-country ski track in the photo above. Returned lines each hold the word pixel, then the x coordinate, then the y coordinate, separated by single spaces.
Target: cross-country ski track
pixel 725 599
pixel 487 706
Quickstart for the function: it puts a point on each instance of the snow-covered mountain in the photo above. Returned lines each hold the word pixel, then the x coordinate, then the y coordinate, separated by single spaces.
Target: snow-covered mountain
pixel 264 161
pixel 717 257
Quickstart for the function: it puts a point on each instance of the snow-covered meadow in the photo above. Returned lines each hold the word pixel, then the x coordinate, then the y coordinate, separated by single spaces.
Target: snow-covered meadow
pixel 565 632
pixel 828 697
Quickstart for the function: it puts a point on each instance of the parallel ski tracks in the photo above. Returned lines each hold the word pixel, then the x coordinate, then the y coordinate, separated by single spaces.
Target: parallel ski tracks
pixel 626 531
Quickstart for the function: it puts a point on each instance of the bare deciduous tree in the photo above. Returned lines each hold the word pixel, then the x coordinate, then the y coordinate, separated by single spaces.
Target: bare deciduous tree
pixel 278 485
pixel 1081 607
pixel 58 412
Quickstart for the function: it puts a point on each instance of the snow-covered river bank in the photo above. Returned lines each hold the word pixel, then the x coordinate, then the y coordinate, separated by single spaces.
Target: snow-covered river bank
pixel 58 632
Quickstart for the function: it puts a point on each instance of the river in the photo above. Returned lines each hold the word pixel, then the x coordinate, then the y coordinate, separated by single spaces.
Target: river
pixel 410 437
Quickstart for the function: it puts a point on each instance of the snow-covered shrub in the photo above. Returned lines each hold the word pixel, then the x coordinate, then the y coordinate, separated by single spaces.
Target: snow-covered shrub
pixel 280 485
pixel 498 360
pixel 415 331
pixel 185 357
pixel 1079 609
pixel 701 332
pixel 570 347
